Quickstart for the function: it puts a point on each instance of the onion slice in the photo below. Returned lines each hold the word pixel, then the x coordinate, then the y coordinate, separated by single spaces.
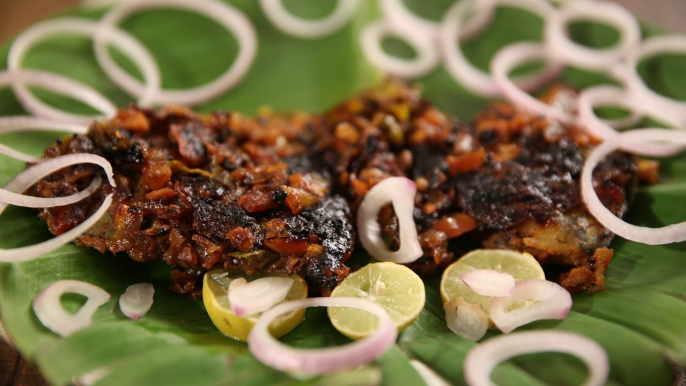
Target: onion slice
pixel 488 282
pixel 27 123
pixel 427 58
pixel 428 375
pixel 397 13
pixel 615 96
pixel 654 46
pixel 259 295
pixel 468 321
pixel 326 360
pixel 50 312
pixel 225 14
pixel 137 300
pixel 293 25
pixel 23 180
pixel 59 84
pixel 550 301
pixel 506 60
pixel 466 74
pixel 563 48
pixel 651 236
pixel 483 358
pixel 399 191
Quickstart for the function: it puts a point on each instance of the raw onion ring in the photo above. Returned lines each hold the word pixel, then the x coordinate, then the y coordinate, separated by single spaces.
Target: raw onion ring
pixel 399 191
pixel 551 301
pixel 651 47
pixel 483 358
pixel 50 312
pixel 275 354
pixel 487 282
pixel 466 74
pixel 397 13
pixel 651 236
pixel 428 375
pixel 506 60
pixel 615 96
pixel 59 84
pixel 427 58
pixel 122 40
pixel 26 123
pixel 563 48
pixel 225 14
pixel 303 28
pixel 258 295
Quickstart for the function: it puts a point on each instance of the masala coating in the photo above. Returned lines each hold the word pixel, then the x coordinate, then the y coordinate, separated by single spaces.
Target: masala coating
pixel 276 193
pixel 206 192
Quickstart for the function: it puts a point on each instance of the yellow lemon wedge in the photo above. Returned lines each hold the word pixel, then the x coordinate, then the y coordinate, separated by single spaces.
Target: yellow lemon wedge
pixel 521 266
pixel 215 296
pixel 394 287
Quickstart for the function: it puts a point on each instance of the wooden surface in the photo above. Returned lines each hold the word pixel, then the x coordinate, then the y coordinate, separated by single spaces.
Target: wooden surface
pixel 17 14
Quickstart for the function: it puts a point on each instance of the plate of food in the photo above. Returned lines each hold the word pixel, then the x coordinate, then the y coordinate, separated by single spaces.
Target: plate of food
pixel 344 192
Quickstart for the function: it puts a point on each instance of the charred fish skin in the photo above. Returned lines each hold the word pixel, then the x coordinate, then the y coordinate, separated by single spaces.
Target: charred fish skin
pixel 205 192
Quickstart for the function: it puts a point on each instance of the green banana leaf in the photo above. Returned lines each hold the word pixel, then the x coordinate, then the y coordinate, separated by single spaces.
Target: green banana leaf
pixel 639 318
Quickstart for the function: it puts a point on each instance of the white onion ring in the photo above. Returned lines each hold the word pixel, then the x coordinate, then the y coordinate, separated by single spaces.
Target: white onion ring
pixel 615 96
pixel 552 302
pixel 470 77
pixel 483 358
pixel 275 354
pixel 651 47
pixel 225 14
pixel 397 13
pixel 563 48
pixel 59 84
pixel 293 25
pixel 428 375
pixel 50 312
pixel 31 252
pixel 487 282
pixel 651 236
pixel 427 58
pixel 466 320
pixel 26 123
pixel 258 295
pixel 399 191
pixel 137 300
pixel 122 40
pixel 506 60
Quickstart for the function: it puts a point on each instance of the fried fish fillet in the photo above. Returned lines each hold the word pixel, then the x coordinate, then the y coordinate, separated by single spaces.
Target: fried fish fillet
pixel 276 193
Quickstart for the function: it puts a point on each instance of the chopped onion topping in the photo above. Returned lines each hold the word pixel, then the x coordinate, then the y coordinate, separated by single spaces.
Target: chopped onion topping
pixel 651 47
pixel 259 295
pixel 399 191
pixel 488 282
pixel 466 74
pixel 426 60
pixel 225 14
pixel 541 300
pixel 92 377
pixel 59 84
pixel 428 375
pixel 50 312
pixel 326 360
pixel 468 321
pixel 483 358
pixel 293 25
pixel 137 300
pixel 651 236
pixel 508 59
pixel 563 48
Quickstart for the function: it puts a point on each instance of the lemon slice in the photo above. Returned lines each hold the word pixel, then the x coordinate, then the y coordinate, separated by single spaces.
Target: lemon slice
pixel 521 266
pixel 394 287
pixel 215 296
